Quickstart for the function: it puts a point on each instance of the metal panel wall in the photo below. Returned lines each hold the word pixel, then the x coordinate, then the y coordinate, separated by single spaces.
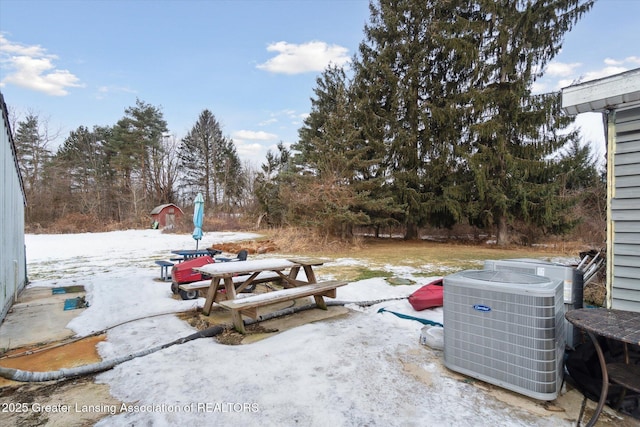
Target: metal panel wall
pixel 625 211
pixel 12 203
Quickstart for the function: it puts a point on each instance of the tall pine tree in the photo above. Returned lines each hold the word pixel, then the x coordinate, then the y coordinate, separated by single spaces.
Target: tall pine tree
pixel 133 149
pixel 273 175
pixel 515 131
pixel 83 159
pixel 335 162
pixel 210 164
pixel 411 76
pixel 33 154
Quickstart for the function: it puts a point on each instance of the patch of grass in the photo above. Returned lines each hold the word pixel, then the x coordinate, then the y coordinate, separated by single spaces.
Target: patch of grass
pixel 370 258
pixel 366 273
pixel 395 281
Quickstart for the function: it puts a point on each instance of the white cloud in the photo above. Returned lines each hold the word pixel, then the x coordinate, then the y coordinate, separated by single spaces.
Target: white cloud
pixel 104 91
pixel 251 151
pixel 268 122
pixel 248 150
pixel 254 135
pixel 301 58
pixel 560 69
pixel 278 116
pixel 611 61
pixel 629 60
pixel 611 66
pixel 634 60
pixel 32 68
pixel 603 72
pixel 538 87
pixel 6 47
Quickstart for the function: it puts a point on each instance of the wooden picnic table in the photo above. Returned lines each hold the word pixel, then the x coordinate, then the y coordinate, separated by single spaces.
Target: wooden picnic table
pixel 222 274
pixel 195 253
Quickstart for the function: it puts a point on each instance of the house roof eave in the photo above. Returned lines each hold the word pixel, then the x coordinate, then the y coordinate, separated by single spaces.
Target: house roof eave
pixel 612 92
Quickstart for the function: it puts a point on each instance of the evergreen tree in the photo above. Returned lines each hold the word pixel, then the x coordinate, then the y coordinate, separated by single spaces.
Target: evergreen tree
pixel 232 176
pixel 516 132
pixel 210 164
pixel 83 160
pixel 31 146
pixel 334 161
pixel 585 186
pixel 133 149
pixel 31 143
pixel 268 184
pixel 579 167
pixel 326 135
pixel 411 77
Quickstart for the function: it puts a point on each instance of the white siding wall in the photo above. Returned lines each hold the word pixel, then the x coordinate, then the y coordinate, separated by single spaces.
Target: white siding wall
pixel 619 97
pixel 12 251
pixel 625 212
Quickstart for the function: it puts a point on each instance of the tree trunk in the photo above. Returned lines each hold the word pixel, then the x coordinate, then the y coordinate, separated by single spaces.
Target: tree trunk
pixel 412 232
pixel 503 233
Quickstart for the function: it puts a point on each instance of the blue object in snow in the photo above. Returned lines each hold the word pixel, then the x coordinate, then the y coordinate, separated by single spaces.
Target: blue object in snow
pixel 406 316
pixel 198 217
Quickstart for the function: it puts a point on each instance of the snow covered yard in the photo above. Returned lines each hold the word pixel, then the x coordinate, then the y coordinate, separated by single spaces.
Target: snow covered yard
pixel 367 368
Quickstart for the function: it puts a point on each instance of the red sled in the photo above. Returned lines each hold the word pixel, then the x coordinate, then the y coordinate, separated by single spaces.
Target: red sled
pixel 428 296
pixel 183 273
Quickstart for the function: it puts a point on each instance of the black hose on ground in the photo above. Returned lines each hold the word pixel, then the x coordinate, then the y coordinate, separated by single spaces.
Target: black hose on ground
pixel 92 334
pixel 94 368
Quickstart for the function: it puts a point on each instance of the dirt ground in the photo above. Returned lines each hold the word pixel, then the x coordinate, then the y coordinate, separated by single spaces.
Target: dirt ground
pixel 78 402
pixel 82 402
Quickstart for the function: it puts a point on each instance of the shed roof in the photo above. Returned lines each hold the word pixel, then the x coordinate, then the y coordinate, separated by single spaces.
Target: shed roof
pixel 602 94
pixel 159 208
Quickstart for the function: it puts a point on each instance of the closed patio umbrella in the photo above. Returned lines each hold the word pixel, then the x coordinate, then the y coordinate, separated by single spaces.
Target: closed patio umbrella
pixel 198 217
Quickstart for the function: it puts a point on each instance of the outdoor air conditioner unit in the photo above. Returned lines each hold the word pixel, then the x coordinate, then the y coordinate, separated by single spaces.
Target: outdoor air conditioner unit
pixel 571 277
pixel 507 329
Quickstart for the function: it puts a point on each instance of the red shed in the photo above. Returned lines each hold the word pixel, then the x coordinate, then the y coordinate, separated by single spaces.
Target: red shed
pixel 166 215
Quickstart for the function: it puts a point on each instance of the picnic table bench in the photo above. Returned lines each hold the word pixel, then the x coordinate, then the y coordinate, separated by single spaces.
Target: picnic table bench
pixel 164 269
pixel 249 306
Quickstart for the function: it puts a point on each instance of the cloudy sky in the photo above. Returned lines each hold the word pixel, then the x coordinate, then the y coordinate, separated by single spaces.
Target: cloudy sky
pixel 253 63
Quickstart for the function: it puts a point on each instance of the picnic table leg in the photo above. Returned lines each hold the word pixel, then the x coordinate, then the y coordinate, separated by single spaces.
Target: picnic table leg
pixel 216 294
pixel 211 295
pixel 293 273
pixel 237 321
pixel 311 276
pixel 230 288
pixel 235 314
pixel 320 302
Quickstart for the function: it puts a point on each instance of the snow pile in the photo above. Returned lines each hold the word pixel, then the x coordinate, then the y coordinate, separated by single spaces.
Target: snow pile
pixel 367 368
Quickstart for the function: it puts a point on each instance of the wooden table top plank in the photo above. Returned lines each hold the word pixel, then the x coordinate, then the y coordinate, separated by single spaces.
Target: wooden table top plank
pixel 243 267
